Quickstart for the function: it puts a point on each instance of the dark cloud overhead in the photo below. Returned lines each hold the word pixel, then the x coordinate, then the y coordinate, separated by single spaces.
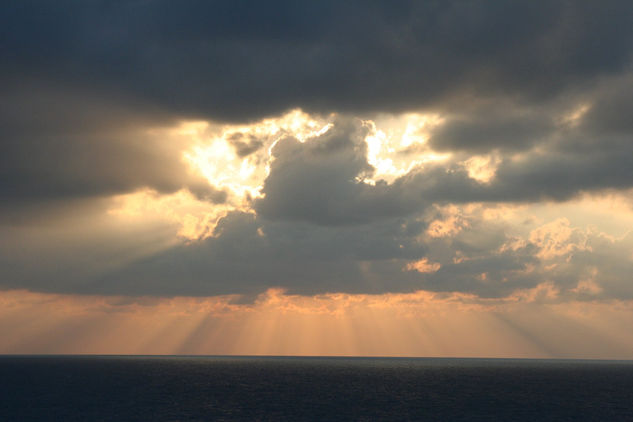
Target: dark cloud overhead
pixel 486 129
pixel 247 59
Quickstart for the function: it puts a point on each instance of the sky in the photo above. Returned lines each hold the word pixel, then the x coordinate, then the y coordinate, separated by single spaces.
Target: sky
pixel 401 178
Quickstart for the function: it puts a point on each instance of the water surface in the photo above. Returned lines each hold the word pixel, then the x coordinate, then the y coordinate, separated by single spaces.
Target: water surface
pixel 178 388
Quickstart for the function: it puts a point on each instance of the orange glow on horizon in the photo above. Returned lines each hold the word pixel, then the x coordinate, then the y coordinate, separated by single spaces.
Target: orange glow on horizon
pixel 413 324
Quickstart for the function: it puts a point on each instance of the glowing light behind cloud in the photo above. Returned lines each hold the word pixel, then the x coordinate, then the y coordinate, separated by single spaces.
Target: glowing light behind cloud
pixel 207 150
pixel 194 218
pixel 213 155
pixel 396 144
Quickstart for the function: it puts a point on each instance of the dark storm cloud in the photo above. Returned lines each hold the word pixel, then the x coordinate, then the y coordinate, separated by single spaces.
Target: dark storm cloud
pixel 486 128
pixel 611 111
pixel 240 60
pixel 559 176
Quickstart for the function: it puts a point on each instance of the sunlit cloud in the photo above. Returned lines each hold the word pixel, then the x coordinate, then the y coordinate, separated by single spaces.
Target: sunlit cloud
pixel 482 168
pixel 573 117
pixel 423 266
pixel 238 157
pixel 194 217
pixel 397 144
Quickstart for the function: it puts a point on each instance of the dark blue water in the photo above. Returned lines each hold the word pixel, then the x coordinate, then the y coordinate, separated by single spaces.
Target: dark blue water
pixel 117 388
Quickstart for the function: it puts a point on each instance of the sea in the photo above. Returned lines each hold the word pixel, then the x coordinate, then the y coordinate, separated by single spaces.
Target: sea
pixel 229 388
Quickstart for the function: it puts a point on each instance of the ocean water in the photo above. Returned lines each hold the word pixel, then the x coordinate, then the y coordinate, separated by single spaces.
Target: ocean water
pixel 140 388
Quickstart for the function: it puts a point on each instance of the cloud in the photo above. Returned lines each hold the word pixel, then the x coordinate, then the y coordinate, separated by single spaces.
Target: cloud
pixel 610 109
pixel 62 146
pixel 319 180
pixel 540 91
pixel 248 254
pixel 485 129
pixel 247 60
pixel 245 145
pixel 323 180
